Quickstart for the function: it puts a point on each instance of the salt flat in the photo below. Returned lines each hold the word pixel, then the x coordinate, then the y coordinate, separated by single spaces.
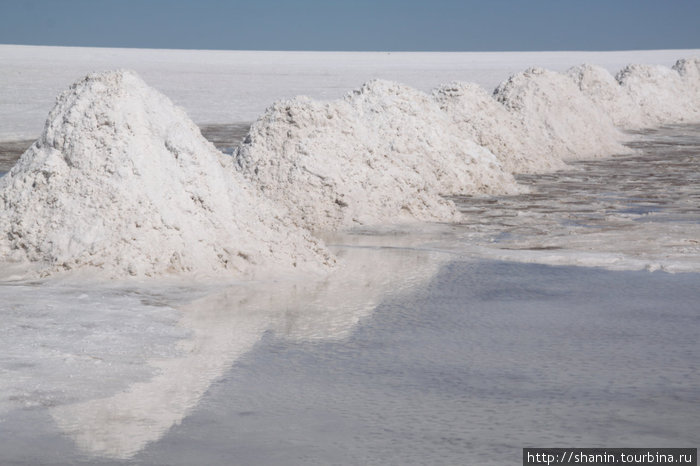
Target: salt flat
pixel 236 86
pixel 427 344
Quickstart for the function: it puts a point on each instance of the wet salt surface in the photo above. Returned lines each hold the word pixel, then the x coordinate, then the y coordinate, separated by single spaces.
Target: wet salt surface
pixel 644 206
pixel 10 152
pixel 661 178
pixel 473 360
pixel 467 369
pixel 488 358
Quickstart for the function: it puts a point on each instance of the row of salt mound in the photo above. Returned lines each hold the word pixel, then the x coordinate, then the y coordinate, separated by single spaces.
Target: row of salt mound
pixel 121 182
pixel 534 122
pixel 644 96
pixel 386 153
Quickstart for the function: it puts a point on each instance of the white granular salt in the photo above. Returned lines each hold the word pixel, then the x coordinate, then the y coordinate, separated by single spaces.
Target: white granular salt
pixel 485 120
pixel 122 183
pixel 689 71
pixel 643 96
pixel 384 154
pixel 605 92
pixel 561 123
pixel 660 93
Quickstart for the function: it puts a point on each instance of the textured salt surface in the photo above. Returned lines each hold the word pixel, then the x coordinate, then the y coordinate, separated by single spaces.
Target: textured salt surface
pixel 561 123
pixel 385 153
pixel 661 94
pixel 225 137
pixel 388 153
pixel 604 91
pixel 643 96
pixel 634 211
pixel 477 114
pixel 122 183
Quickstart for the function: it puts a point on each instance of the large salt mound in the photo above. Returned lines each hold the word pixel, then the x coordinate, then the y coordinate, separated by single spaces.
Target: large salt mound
pixel 383 154
pixel 121 182
pixel 481 117
pixel 661 94
pixel 601 87
pixel 560 121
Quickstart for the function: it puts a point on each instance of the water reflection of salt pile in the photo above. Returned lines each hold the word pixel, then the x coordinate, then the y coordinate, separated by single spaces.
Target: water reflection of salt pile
pixel 224 326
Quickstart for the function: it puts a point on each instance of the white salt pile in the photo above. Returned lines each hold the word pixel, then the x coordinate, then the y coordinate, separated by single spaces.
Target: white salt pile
pixel 606 93
pixel 658 92
pixel 479 116
pixel 384 153
pixel 121 182
pixel 689 70
pixel 561 123
pixel 644 96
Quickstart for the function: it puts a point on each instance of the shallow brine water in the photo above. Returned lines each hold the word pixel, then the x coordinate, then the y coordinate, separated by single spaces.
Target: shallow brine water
pixel 631 211
pixel 424 348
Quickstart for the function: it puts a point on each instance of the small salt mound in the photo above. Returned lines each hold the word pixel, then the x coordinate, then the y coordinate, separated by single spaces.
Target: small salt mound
pixel 385 153
pixel 601 87
pixel 661 93
pixel 121 182
pixel 479 116
pixel 561 123
pixel 689 70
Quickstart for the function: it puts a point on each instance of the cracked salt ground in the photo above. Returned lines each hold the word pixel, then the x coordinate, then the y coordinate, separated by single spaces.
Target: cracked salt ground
pixel 632 211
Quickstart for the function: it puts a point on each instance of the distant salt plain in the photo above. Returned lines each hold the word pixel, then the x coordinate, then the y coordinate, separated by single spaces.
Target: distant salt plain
pixel 237 86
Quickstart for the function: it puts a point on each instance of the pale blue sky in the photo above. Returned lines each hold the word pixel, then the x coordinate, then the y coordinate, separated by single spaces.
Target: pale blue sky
pixel 391 25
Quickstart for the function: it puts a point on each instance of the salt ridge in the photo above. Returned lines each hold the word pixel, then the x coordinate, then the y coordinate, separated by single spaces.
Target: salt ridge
pixel 389 153
pixel 384 153
pixel 121 181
